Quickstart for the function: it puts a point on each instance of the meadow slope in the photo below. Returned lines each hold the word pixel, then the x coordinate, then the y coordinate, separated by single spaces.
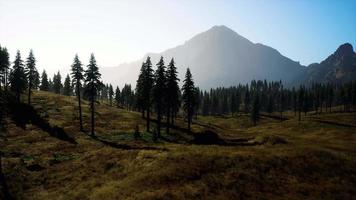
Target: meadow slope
pixel 313 159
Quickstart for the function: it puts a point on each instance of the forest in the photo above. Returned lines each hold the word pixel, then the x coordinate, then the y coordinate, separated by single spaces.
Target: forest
pixel 160 113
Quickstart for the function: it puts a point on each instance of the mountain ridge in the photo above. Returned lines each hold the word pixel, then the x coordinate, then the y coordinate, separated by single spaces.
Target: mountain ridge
pixel 221 57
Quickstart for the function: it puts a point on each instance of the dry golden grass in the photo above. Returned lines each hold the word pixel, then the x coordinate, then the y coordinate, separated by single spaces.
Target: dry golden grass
pixel 315 160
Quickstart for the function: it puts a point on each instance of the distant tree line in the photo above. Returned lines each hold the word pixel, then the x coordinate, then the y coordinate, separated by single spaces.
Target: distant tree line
pixel 272 97
pixel 158 94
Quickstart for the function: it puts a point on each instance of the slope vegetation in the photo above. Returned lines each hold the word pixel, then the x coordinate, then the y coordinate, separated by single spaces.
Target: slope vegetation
pixel 275 160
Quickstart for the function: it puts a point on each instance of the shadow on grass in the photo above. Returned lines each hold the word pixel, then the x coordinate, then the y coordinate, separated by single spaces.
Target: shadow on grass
pixel 23 114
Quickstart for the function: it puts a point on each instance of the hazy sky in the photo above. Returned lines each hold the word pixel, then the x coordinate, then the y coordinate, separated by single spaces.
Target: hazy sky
pixel 123 31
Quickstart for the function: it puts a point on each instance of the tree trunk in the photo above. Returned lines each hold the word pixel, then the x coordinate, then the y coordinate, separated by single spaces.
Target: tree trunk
pixel 172 117
pixel 5 80
pixel 148 120
pixel 92 116
pixel 189 119
pixel 158 122
pixel 80 110
pixel 29 92
pixel 168 121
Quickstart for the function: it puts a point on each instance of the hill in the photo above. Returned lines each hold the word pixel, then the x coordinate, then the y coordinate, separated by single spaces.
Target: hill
pixel 275 160
pixel 218 57
pixel 339 67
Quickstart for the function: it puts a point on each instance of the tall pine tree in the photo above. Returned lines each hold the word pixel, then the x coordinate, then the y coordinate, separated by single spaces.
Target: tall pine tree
pixel 188 97
pixel 77 78
pixel 172 93
pixel 147 90
pixel 159 90
pixel 18 78
pixel 57 83
pixel 4 67
pixel 93 85
pixel 67 88
pixel 30 73
pixel 44 82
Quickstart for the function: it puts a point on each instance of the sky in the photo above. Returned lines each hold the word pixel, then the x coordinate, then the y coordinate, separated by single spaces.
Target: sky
pixel 118 31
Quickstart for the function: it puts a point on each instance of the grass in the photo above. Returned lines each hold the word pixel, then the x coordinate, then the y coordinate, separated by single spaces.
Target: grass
pixel 291 160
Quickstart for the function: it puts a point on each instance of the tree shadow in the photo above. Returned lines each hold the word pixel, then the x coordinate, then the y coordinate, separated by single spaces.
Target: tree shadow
pixel 23 114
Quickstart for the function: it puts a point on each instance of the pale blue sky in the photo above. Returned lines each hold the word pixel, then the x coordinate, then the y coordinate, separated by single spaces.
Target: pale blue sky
pixel 123 31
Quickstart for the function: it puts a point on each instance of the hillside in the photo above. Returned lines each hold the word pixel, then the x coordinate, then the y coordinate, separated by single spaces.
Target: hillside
pixel 339 67
pixel 217 57
pixel 274 160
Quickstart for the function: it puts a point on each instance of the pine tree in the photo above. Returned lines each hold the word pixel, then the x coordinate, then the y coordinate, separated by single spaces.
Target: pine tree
pixel 77 78
pixel 44 82
pixel 300 101
pixel 117 96
pixel 57 83
pixel 67 88
pixel 247 100
pixel 270 104
pixel 36 81
pixel 30 71
pixel 139 90
pixel 281 101
pixel 18 78
pixel 172 93
pixel 233 103
pixel 188 96
pixel 50 85
pixel 206 103
pixel 147 90
pixel 93 84
pixel 255 112
pixel 4 67
pixel 159 90
pixel 111 94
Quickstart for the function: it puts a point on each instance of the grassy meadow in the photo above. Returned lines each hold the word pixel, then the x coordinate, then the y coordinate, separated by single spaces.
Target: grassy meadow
pixel 311 159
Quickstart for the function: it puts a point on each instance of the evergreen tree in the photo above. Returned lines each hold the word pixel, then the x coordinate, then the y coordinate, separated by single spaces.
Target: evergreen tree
pixel 270 105
pixel 295 102
pixel 44 82
pixel 139 90
pixel 67 88
pixel 188 96
pixel 93 84
pixel 147 90
pixel 77 78
pixel 111 94
pixel 159 90
pixel 281 101
pixel 36 81
pixel 233 103
pixel 57 83
pixel 117 96
pixel 255 112
pixel 18 78
pixel 30 73
pixel 4 67
pixel 206 103
pixel 300 101
pixel 172 93
pixel 50 85
pixel 247 100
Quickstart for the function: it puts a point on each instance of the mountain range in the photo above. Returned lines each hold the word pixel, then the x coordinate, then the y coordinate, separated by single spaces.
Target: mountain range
pixel 222 57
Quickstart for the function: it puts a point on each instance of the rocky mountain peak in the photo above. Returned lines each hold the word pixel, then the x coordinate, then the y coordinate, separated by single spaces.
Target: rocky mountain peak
pixel 344 50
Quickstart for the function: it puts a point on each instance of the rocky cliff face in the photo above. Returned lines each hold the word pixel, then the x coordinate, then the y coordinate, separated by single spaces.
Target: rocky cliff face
pixel 337 68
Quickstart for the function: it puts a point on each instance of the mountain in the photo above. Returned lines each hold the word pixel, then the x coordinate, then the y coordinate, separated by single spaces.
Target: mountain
pixel 337 68
pixel 217 57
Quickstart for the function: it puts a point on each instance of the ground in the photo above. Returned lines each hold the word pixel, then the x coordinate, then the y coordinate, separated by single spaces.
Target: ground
pixel 311 159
